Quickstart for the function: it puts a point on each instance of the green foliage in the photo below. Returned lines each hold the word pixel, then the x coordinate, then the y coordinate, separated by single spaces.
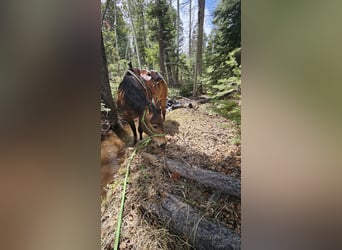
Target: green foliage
pixel 222 78
pixel 167 17
pixel 162 27
pixel 186 89
pixel 109 43
pixel 185 70
pixel 219 84
pixel 173 92
pixel 226 91
pixel 152 55
pixel 120 26
pixel 226 36
pixel 153 21
pixel 228 109
pixel 138 13
pixel 227 17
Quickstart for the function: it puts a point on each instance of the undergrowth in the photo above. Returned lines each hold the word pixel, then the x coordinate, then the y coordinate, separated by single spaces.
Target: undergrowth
pixel 229 109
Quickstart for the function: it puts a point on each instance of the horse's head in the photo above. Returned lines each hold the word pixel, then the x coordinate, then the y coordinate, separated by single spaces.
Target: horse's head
pixel 152 124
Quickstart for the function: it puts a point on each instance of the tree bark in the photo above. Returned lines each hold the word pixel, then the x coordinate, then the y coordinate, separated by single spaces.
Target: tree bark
pixel 144 29
pixel 185 221
pixel 115 32
pixel 161 46
pixel 208 178
pixel 106 92
pixel 190 29
pixel 170 79
pixel 178 45
pixel 104 11
pixel 198 70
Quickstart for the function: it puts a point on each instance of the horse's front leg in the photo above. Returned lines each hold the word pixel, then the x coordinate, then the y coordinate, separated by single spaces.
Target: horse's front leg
pixel 140 129
pixel 134 130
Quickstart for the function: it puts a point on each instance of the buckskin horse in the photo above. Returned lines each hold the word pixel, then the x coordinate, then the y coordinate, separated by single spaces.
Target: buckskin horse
pixel 134 101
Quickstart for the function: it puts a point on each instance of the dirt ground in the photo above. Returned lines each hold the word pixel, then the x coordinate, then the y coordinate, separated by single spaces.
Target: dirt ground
pixel 195 136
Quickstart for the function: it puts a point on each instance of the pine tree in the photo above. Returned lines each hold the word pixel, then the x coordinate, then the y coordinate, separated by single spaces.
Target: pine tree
pixel 198 71
pixel 162 19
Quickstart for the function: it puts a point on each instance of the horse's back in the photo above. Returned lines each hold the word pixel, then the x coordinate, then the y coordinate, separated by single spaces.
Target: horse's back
pixel 131 98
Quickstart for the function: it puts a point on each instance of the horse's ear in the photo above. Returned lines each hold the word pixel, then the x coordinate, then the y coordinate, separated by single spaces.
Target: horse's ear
pixel 130 65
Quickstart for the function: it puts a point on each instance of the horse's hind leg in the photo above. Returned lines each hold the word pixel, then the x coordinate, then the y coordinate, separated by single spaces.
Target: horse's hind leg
pixel 164 113
pixel 134 129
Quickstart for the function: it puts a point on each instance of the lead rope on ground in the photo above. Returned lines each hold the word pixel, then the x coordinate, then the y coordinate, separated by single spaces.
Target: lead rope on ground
pixel 144 143
pixel 123 196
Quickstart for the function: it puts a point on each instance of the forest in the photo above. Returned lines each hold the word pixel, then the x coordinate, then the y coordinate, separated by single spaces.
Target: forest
pixel 184 194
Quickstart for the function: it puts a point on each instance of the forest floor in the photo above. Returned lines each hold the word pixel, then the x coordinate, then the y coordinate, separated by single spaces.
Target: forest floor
pixel 196 136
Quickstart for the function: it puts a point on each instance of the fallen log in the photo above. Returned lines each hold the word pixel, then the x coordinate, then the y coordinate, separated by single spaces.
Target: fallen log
pixel 185 221
pixel 203 99
pixel 208 178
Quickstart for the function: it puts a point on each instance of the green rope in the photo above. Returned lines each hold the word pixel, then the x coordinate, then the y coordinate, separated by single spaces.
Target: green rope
pixel 118 228
pixel 144 143
pixel 152 134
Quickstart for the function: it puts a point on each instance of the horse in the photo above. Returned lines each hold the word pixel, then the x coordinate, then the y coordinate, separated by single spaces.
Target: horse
pixel 134 101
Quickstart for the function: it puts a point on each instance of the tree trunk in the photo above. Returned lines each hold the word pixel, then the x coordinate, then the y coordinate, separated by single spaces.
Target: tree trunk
pixel 178 45
pixel 198 70
pixel 169 71
pixel 161 46
pixel 104 11
pixel 185 221
pixel 134 33
pixel 208 178
pixel 106 92
pixel 143 28
pixel 116 33
pixel 161 57
pixel 190 27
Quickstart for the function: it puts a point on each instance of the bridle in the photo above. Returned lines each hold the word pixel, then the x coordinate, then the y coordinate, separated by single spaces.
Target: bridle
pixel 149 130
